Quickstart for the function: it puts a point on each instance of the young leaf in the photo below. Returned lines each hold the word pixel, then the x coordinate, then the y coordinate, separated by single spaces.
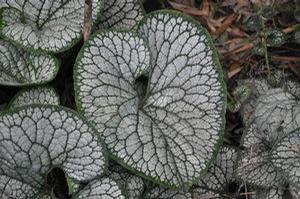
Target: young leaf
pixel 123 14
pixel 293 87
pixel 48 25
pixel 36 138
pixel 286 156
pixel 170 132
pixel 20 68
pixel 104 188
pixel 35 95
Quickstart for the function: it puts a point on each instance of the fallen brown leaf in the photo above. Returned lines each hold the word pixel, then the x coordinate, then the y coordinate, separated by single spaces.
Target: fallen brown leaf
pixel 226 23
pixel 187 9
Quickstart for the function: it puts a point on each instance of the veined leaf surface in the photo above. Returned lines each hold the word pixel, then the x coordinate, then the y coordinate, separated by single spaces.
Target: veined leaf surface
pixel 123 14
pixel 104 188
pixel 36 138
pixel 11 188
pixel 271 193
pixel 277 113
pixel 171 130
pixel 220 174
pixel 286 156
pixel 254 165
pixel 35 95
pixel 132 185
pixel 20 68
pixel 44 24
pixel 164 193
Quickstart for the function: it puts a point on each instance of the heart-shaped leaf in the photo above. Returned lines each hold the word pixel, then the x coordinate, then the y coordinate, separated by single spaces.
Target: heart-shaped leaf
pixel 48 25
pixel 286 156
pixel 35 95
pixel 123 14
pixel 171 130
pixel 19 67
pixel 36 138
pixel 104 188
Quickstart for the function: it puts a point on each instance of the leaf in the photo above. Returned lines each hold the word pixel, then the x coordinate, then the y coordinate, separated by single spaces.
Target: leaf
pixel 292 86
pixel 258 87
pixel 21 68
pixel 272 193
pixel 295 191
pixel 277 113
pixel 258 170
pixel 35 95
pixel 255 166
pixel 286 156
pixel 124 14
pixel 36 138
pixel 47 25
pixel 242 93
pixel 11 188
pixel 132 186
pixel 170 132
pixel 104 188
pixel 220 174
pixel 164 193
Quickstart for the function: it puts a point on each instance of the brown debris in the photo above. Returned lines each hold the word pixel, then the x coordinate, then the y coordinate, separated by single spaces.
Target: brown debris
pixel 87 28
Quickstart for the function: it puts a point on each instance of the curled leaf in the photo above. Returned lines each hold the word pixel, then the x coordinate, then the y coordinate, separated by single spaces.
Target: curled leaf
pixel 21 68
pixel 48 25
